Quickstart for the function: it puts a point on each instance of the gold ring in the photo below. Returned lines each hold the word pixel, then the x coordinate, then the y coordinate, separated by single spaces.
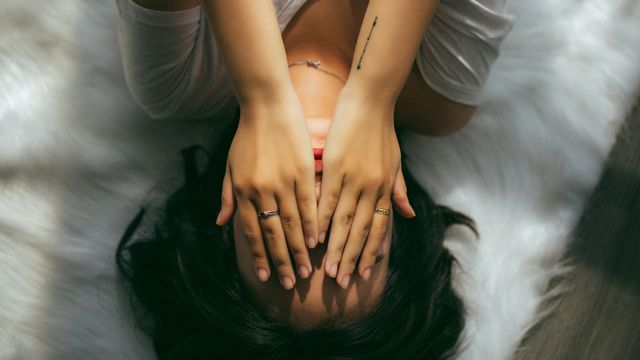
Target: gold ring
pixel 267 213
pixel 382 211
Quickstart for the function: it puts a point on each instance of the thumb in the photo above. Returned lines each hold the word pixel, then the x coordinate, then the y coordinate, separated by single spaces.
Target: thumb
pixel 399 197
pixel 228 201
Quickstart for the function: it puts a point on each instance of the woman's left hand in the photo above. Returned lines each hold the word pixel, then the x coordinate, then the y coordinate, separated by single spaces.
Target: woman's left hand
pixel 361 171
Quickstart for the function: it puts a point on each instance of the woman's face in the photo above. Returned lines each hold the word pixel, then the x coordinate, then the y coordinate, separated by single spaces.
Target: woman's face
pixel 319 296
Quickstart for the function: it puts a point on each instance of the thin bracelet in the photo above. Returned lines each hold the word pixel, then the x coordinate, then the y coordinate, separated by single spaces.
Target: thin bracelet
pixel 315 64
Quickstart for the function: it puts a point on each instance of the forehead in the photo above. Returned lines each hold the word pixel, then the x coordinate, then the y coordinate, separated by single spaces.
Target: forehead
pixel 318 297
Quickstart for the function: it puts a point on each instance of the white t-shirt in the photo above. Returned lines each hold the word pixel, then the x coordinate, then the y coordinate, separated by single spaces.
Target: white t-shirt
pixel 174 69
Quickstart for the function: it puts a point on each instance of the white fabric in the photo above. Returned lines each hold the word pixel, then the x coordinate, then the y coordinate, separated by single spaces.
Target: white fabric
pixel 77 158
pixel 174 67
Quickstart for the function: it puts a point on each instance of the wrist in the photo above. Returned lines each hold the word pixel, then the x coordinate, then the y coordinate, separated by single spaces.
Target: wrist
pixel 278 107
pixel 368 97
pixel 263 92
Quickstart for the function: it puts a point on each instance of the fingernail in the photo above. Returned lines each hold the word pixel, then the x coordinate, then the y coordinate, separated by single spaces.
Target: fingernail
pixel 345 281
pixel 303 270
pixel 412 211
pixel 218 218
pixel 322 235
pixel 333 270
pixel 263 274
pixel 287 282
pixel 366 273
pixel 311 242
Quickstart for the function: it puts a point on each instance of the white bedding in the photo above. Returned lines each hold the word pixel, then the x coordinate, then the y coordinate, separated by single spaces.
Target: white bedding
pixel 77 159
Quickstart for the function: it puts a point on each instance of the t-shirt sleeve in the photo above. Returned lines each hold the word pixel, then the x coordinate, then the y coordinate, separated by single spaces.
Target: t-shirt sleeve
pixel 460 46
pixel 171 63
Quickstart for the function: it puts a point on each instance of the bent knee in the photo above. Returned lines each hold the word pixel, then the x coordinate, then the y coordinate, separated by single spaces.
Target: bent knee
pixel 432 114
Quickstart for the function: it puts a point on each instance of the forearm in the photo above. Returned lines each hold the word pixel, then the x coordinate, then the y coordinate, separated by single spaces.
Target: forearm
pixel 387 45
pixel 248 34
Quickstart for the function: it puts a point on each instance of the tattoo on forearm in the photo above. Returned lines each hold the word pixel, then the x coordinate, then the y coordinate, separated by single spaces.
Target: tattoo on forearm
pixel 367 43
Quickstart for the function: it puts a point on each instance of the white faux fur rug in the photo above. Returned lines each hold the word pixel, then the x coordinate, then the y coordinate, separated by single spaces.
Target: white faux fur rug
pixel 77 159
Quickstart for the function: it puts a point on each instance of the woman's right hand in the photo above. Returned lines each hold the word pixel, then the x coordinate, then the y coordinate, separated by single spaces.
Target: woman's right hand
pixel 271 166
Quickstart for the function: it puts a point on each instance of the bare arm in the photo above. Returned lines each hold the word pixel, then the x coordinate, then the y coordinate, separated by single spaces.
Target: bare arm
pixel 383 68
pixel 387 45
pixel 249 35
pixel 362 156
pixel 258 177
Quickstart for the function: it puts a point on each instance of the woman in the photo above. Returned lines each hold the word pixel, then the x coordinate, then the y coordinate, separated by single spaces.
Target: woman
pixel 200 287
pixel 185 60
pixel 196 295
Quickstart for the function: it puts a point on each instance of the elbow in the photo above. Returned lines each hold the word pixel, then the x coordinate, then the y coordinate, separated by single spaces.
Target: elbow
pixel 155 105
pixel 158 97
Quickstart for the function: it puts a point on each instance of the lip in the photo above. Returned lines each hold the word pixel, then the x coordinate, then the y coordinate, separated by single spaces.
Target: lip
pixel 317 156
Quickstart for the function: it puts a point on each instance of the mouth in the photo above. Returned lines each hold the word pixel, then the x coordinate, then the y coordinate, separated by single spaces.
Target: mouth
pixel 317 156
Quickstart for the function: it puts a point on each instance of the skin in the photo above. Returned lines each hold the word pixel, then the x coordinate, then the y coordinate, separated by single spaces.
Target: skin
pixel 328 31
pixel 317 297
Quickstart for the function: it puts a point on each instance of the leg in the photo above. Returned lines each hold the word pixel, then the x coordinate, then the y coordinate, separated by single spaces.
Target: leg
pixel 421 109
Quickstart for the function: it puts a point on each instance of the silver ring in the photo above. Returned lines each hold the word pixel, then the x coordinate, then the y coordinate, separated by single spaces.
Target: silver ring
pixel 382 211
pixel 266 214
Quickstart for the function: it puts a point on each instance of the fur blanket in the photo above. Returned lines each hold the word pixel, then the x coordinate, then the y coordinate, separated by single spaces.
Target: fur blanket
pixel 77 158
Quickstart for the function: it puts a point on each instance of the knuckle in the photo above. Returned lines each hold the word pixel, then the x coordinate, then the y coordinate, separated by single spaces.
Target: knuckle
pixel 261 186
pixel 378 179
pixel 252 236
pixel 281 266
pixel 332 199
pixel 363 265
pixel 269 235
pixel 349 260
pixel 371 253
pixel 308 223
pixel 375 177
pixel 299 253
pixel 346 220
pixel 258 257
pixel 399 195
pixel 337 250
pixel 303 167
pixel 363 232
pixel 306 201
pixel 241 188
pixel 227 199
pixel 366 262
pixel 289 222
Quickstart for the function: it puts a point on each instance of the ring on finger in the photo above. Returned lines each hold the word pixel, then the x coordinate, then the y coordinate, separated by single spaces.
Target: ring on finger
pixel 265 214
pixel 382 211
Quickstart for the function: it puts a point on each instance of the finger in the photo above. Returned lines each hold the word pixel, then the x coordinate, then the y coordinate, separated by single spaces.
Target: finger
pixel 251 231
pixel 357 238
pixel 377 235
pixel 340 226
pixel 308 209
pixel 274 238
pixel 290 220
pixel 329 195
pixel 228 201
pixel 400 200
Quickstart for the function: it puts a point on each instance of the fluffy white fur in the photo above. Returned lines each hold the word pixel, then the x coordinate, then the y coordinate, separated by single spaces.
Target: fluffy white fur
pixel 77 158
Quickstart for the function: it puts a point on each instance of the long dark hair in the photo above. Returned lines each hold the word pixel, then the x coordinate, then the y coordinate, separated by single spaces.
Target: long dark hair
pixel 188 294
